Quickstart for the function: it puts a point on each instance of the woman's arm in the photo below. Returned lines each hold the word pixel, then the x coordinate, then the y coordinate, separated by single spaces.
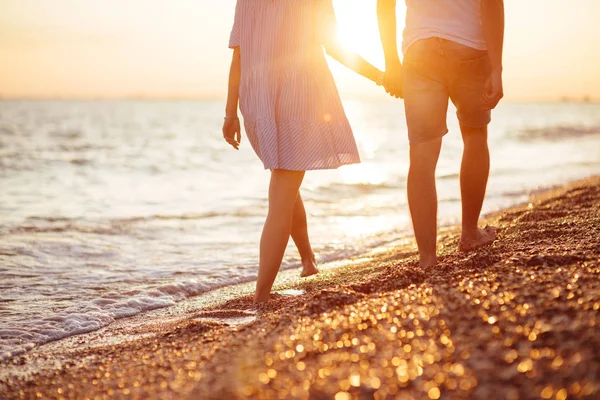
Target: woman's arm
pixel 352 60
pixel 231 126
pixel 233 94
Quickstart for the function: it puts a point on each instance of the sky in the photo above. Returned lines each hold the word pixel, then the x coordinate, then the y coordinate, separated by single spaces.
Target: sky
pixel 178 48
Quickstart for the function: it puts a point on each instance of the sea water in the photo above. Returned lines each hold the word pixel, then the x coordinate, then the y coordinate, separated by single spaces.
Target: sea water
pixel 112 208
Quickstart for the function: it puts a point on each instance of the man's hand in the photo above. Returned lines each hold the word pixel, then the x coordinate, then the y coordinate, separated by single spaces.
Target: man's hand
pixel 392 81
pixel 493 89
pixel 492 22
pixel 232 132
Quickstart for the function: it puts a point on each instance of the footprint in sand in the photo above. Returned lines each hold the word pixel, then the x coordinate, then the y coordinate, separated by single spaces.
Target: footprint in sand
pixel 229 317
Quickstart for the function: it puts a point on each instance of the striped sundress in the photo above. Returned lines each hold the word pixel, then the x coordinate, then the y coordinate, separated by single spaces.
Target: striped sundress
pixel 293 115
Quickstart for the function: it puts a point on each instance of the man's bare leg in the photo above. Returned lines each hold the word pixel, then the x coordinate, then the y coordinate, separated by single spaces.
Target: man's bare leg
pixel 422 198
pixel 301 239
pixel 474 172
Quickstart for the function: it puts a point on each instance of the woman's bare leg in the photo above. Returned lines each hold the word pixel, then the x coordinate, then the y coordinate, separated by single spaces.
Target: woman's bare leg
pixel 283 192
pixel 300 236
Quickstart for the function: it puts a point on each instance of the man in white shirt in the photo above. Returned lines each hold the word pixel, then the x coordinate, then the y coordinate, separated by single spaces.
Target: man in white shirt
pixel 452 51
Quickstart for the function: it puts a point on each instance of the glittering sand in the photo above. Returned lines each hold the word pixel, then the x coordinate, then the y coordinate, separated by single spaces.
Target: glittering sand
pixel 516 320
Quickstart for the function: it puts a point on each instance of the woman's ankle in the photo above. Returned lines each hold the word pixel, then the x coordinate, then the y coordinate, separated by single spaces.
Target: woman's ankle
pixel 308 259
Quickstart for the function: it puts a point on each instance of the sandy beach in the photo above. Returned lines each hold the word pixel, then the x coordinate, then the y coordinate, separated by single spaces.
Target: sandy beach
pixel 516 320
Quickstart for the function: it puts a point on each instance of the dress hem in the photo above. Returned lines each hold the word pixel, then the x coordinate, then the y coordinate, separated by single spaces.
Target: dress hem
pixel 324 168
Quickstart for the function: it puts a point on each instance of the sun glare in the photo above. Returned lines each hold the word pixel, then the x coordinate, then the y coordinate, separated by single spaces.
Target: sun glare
pixel 358 32
pixel 357 28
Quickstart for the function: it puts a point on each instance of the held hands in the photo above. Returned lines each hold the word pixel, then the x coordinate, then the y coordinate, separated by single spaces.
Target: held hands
pixel 493 89
pixel 392 80
pixel 232 132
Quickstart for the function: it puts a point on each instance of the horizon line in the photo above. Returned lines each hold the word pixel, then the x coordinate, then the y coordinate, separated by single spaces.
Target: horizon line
pixel 557 99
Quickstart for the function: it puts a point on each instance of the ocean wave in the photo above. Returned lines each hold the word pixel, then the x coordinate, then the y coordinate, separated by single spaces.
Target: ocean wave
pixel 341 190
pixel 449 175
pixel 93 315
pixel 23 229
pixel 556 132
pixel 116 226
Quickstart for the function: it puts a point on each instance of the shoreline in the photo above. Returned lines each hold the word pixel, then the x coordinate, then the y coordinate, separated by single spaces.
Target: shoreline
pixel 193 345
pixel 287 277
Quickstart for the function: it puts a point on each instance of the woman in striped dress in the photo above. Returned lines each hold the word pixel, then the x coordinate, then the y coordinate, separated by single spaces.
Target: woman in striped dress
pixel 293 115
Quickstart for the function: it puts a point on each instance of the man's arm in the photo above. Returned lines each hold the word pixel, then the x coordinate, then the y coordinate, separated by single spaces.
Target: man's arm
pixel 386 16
pixel 492 21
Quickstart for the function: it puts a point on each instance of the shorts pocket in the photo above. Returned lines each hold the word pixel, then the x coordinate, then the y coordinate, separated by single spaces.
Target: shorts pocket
pixel 474 72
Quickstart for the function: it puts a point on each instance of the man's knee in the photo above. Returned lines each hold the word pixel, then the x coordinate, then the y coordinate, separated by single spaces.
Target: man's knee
pixel 424 156
pixel 474 136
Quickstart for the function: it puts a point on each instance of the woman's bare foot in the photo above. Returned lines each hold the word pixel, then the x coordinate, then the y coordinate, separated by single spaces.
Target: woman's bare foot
pixel 261 297
pixel 260 308
pixel 480 238
pixel 309 268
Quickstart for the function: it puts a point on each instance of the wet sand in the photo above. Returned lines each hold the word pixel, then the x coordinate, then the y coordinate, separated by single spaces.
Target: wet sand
pixel 516 320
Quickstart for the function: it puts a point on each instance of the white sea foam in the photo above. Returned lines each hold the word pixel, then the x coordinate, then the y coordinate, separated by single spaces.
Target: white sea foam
pixel 90 316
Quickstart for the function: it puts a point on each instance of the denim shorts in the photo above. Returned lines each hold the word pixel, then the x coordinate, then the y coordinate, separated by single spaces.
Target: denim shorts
pixel 435 70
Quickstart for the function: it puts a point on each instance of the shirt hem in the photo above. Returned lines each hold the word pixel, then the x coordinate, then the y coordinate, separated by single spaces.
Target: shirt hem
pixel 469 43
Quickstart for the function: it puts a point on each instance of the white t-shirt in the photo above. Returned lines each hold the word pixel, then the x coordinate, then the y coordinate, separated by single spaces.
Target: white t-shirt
pixel 456 20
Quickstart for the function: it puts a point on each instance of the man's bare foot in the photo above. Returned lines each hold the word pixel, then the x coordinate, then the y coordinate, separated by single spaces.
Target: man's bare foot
pixel 309 268
pixel 428 261
pixel 482 237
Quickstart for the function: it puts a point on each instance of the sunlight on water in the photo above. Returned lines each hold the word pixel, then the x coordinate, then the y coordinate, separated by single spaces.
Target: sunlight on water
pixel 365 226
pixel 368 174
